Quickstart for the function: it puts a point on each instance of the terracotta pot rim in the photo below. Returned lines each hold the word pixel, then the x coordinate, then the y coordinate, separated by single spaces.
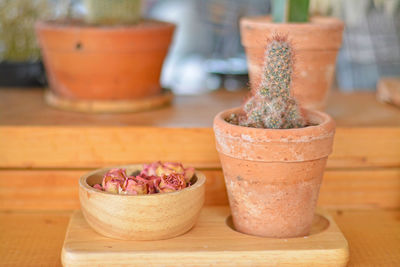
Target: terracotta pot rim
pixel 146 24
pixel 323 129
pixel 314 22
pixel 201 179
pixel 321 33
pixel 275 145
pixel 126 39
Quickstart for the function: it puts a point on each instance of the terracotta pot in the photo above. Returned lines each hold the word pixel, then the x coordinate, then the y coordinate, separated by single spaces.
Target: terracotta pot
pixel 104 63
pixel 315 44
pixel 273 176
pixel 140 217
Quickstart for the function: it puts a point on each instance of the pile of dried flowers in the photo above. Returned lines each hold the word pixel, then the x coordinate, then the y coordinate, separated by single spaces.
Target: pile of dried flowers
pixel 155 178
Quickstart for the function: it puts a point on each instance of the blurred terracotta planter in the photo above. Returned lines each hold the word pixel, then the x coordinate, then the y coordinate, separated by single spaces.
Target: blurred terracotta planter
pixel 316 44
pixel 104 63
pixel 273 176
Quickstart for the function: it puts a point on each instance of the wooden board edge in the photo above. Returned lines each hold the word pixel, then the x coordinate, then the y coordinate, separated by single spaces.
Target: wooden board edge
pixel 338 256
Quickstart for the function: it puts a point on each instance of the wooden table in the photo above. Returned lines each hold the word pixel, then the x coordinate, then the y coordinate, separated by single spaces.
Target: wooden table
pixel 43 151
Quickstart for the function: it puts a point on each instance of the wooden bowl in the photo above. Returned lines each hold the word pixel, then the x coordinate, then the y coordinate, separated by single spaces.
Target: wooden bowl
pixel 140 217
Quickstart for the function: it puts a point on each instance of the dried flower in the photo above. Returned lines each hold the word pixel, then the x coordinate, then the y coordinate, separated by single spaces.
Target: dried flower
pixel 133 186
pixel 114 180
pixel 98 187
pixel 189 173
pixel 159 169
pixel 172 182
pixel 155 177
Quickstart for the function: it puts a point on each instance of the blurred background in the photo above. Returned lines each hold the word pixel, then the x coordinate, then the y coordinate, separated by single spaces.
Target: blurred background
pixel 206 53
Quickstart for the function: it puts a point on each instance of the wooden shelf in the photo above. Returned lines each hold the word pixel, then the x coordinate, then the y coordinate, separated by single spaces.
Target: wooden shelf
pixel 57 189
pixel 33 135
pixel 28 108
pixel 47 148
pixel 43 151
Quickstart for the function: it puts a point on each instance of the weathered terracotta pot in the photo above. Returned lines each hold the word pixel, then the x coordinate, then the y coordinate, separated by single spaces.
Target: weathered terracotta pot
pixel 316 45
pixel 104 63
pixel 273 176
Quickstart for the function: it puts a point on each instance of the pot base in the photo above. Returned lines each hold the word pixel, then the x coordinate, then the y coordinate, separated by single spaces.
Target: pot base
pixel 210 242
pixel 111 106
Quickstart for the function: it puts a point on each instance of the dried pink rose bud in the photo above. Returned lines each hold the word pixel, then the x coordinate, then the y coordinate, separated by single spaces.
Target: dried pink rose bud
pixel 167 168
pixel 98 187
pixel 170 167
pixel 117 174
pixel 134 187
pixel 154 181
pixel 172 182
pixel 114 180
pixel 155 177
pixel 150 169
pixel 112 186
pixel 189 173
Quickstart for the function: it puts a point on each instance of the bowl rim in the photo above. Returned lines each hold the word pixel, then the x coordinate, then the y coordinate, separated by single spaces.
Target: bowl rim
pixel 201 179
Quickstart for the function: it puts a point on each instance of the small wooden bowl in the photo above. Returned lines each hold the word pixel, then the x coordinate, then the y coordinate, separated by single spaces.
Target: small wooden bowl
pixel 141 217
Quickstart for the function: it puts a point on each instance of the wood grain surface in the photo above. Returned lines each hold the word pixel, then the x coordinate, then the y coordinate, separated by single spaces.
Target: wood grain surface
pixel 83 147
pixel 43 151
pixel 211 243
pixel 373 237
pixel 58 189
pixel 27 107
pixel 32 238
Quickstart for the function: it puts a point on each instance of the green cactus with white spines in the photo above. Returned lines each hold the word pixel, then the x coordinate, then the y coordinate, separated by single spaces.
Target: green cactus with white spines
pixel 272 105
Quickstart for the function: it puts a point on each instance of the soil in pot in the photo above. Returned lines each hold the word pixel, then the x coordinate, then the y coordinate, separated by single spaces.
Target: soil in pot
pixel 104 63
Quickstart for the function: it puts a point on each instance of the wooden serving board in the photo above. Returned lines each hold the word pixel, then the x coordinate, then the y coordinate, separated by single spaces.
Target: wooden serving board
pixel 211 242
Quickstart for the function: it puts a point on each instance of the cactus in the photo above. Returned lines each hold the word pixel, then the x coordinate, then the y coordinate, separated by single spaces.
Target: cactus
pixel 272 105
pixel 112 12
pixel 290 10
pixel 17 35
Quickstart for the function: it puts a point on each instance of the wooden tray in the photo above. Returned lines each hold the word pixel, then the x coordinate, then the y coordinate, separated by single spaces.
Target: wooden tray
pixel 211 242
pixel 115 106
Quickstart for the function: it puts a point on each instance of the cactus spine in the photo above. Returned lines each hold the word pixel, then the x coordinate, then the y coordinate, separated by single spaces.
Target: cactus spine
pixel 272 105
